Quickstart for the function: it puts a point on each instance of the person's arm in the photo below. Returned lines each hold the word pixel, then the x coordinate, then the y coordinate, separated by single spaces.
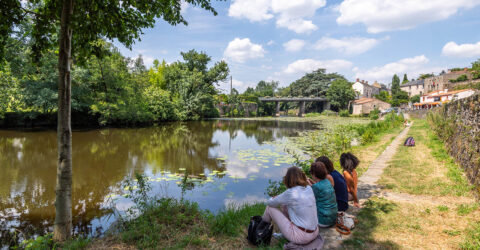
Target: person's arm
pixel 351 187
pixel 330 178
pixel 281 199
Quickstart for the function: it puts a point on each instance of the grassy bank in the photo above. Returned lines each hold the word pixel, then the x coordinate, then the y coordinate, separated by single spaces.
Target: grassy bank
pixel 428 202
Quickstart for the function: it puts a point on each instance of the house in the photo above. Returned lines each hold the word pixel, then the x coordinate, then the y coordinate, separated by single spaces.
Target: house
pixel 439 97
pixel 414 87
pixel 365 105
pixel 365 90
pixel 443 80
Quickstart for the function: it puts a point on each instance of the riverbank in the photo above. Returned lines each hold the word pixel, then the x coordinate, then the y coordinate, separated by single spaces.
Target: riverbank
pixel 186 226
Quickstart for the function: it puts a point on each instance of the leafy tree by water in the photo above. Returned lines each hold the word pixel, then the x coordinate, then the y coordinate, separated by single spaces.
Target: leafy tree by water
pixel 415 98
pixel 77 25
pixel 340 93
pixel 314 84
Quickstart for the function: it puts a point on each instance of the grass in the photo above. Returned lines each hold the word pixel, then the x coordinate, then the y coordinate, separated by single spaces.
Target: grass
pixel 431 205
pixel 427 167
pixel 369 152
pixel 386 224
pixel 173 224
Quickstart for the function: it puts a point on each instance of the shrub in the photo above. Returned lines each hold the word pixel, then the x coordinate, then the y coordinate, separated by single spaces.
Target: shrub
pixel 344 113
pixel 329 113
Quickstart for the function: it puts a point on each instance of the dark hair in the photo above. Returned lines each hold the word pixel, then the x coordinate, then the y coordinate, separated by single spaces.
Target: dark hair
pixel 318 170
pixel 328 163
pixel 349 161
pixel 295 177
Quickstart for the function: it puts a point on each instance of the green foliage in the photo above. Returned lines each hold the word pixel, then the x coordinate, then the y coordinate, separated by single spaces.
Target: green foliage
pixel 405 79
pixel 340 93
pixel 442 126
pixel 233 220
pixel 329 113
pixel 384 96
pixel 461 78
pixel 475 69
pixel 425 76
pixel 415 99
pixel 374 114
pixel 44 242
pixel 472 241
pixel 344 113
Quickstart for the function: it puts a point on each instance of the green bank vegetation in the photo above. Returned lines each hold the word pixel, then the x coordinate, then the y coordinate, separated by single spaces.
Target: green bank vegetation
pixel 430 203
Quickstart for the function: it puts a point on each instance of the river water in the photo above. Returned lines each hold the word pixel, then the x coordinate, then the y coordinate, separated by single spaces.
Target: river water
pixel 227 162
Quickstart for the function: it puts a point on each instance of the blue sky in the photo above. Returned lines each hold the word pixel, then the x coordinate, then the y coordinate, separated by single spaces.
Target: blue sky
pixel 284 39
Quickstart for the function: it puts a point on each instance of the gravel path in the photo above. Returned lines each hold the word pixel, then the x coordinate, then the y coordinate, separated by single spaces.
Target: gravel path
pixel 367 187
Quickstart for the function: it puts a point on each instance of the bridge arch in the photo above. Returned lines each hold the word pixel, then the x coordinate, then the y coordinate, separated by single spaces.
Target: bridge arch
pixel 300 100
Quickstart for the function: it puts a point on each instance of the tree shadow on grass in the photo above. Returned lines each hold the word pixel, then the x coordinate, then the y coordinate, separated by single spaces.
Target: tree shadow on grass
pixel 370 218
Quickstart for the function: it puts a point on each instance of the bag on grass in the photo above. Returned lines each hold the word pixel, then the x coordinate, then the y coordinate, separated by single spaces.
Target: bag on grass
pixel 409 142
pixel 345 223
pixel 259 231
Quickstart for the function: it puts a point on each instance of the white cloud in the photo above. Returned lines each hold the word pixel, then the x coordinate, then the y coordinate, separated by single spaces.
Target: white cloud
pixel 387 15
pixel 294 45
pixel 466 50
pixel 347 45
pixel 253 10
pixel 309 65
pixel 241 50
pixel 412 66
pixel 293 15
pixel 270 43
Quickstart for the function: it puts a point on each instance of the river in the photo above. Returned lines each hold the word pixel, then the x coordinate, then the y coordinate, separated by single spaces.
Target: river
pixel 227 161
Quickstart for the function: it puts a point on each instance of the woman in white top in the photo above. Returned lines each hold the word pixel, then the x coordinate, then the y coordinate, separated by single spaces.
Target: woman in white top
pixel 294 211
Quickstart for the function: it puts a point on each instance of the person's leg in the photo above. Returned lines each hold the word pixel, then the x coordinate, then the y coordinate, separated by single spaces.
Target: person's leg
pixel 280 219
pixel 342 206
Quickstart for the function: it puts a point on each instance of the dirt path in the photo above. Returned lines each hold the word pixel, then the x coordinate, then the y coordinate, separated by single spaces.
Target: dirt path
pixel 367 187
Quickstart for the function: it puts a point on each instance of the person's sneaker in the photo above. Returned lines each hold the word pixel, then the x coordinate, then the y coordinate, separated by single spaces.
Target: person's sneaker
pixel 278 236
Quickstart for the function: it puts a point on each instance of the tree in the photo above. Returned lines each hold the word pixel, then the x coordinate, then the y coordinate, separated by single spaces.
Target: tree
pixel 424 76
pixel 405 79
pixel 476 69
pixel 77 25
pixel 395 84
pixel 415 99
pixel 384 96
pixel 340 93
pixel 314 84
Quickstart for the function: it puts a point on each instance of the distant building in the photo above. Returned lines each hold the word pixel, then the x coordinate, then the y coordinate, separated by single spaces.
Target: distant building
pixel 365 90
pixel 442 81
pixel 414 87
pixel 365 105
pixel 439 97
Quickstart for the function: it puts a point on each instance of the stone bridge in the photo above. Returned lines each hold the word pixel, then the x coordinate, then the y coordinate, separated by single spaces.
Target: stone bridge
pixel 301 101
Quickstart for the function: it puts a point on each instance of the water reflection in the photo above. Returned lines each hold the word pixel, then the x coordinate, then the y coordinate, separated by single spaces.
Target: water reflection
pixel 102 159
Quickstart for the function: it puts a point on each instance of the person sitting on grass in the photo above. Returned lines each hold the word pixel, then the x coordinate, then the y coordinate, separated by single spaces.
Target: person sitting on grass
pixel 349 163
pixel 324 195
pixel 294 211
pixel 339 184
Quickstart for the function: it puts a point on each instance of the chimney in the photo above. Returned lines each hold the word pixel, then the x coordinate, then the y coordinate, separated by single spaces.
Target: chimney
pixel 465 68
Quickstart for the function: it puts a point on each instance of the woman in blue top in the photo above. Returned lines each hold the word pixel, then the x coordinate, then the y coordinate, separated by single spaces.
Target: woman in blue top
pixel 324 195
pixel 339 184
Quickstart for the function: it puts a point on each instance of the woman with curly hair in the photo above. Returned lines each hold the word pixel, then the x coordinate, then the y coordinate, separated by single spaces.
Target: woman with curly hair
pixel 349 163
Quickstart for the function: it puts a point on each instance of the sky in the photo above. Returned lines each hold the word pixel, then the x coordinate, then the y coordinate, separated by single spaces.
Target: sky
pixel 282 40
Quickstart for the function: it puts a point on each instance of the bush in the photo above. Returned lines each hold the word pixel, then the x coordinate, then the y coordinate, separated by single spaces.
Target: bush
pixel 313 114
pixel 329 113
pixel 344 113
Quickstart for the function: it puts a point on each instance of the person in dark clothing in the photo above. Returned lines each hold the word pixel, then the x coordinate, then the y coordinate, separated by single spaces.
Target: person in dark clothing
pixel 339 184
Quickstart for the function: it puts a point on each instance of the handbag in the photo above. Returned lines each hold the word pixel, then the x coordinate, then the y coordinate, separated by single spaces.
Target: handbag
pixel 345 223
pixel 259 231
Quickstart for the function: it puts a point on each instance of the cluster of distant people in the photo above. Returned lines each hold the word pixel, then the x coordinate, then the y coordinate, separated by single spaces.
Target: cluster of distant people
pixel 310 203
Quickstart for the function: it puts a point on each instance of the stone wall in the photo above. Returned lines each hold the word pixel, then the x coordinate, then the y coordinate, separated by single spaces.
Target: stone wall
pixel 463 141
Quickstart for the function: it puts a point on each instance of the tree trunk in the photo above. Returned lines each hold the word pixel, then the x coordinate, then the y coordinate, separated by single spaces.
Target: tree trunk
pixel 63 201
